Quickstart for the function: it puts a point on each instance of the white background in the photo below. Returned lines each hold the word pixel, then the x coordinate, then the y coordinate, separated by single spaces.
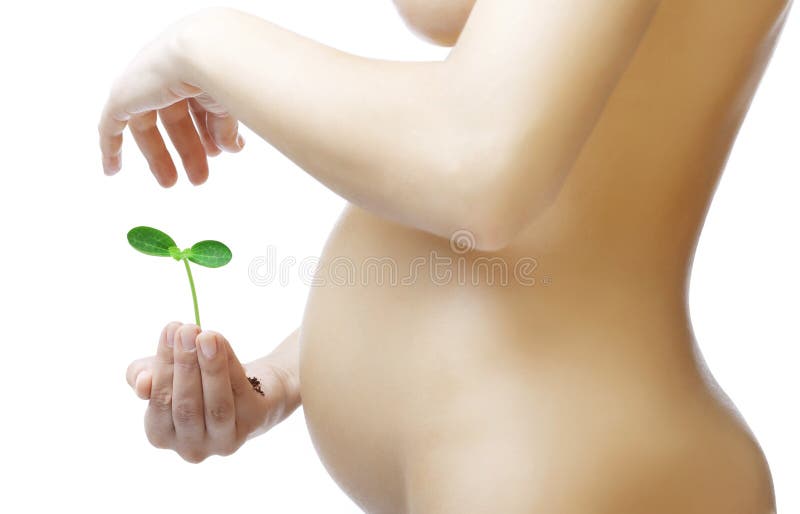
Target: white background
pixel 77 304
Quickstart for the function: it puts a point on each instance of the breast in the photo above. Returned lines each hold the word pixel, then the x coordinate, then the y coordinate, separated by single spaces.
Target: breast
pixel 439 21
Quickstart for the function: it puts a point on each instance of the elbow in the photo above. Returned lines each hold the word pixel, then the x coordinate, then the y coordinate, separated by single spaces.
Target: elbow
pixel 488 228
pixel 486 235
pixel 500 201
pixel 494 215
pixel 500 179
pixel 489 223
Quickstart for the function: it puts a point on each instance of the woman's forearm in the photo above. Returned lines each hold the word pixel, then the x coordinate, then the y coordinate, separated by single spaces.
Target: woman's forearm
pixel 384 135
pixel 482 141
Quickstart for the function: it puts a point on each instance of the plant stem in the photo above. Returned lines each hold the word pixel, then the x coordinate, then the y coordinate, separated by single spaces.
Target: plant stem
pixel 194 293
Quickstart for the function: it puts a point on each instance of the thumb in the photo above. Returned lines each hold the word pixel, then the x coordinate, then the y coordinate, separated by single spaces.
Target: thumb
pixel 140 376
pixel 222 127
pixel 224 130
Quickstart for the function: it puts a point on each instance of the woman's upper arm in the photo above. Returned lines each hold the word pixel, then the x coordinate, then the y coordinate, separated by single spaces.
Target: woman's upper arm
pixel 537 74
pixel 478 142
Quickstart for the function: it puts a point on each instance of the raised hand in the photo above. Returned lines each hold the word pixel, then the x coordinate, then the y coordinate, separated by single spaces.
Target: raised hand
pixel 155 85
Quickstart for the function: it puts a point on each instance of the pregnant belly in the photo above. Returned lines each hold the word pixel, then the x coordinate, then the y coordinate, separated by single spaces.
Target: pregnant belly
pixel 432 376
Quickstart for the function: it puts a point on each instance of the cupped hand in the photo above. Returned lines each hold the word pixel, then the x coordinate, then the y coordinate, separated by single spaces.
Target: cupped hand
pixel 201 402
pixel 154 85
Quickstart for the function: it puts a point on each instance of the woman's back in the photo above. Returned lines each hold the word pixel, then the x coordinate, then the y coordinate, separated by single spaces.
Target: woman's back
pixel 559 374
pixel 646 175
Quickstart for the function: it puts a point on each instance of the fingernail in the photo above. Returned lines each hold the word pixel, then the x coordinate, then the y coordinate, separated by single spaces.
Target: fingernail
pixel 170 338
pixel 239 141
pixel 208 345
pixel 187 340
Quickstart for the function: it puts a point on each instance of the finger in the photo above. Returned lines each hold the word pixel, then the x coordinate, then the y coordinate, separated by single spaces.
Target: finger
pixel 245 399
pixel 187 390
pixel 110 131
pixel 143 385
pixel 199 116
pixel 249 404
pixel 223 128
pixel 158 417
pixel 139 376
pixel 148 138
pixel 220 414
pixel 181 130
pixel 240 385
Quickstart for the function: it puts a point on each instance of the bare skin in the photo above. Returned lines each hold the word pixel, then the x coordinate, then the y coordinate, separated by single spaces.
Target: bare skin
pixel 586 135
pixel 200 401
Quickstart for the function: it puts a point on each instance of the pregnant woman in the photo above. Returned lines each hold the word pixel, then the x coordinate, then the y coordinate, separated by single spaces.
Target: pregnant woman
pixel 539 194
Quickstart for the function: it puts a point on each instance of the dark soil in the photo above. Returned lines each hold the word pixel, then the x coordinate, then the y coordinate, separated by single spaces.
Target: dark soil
pixel 256 383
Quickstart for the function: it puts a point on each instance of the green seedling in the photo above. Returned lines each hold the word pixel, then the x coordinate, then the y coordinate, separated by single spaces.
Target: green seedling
pixel 211 254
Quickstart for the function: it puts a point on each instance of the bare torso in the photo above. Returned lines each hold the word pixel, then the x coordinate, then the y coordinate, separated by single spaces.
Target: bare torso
pixel 575 386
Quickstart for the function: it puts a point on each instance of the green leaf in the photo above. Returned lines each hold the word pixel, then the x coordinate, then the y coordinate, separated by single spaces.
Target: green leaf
pixel 151 241
pixel 211 254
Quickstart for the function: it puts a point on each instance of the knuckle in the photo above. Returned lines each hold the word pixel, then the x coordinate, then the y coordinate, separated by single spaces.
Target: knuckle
pixel 186 413
pixel 161 401
pixel 163 359
pixel 214 367
pixel 221 412
pixel 192 455
pixel 187 364
pixel 226 448
pixel 239 390
pixel 158 438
